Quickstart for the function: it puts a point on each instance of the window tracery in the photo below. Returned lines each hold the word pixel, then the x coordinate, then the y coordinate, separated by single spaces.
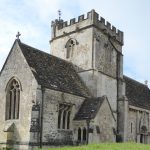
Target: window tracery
pixel 64 114
pixel 13 100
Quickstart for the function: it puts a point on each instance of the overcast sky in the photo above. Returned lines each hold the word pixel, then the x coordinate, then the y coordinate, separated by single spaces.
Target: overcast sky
pixel 33 18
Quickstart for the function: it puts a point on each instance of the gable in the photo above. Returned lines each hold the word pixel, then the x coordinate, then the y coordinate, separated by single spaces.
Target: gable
pixel 15 63
pixel 89 108
pixel 16 67
pixel 105 110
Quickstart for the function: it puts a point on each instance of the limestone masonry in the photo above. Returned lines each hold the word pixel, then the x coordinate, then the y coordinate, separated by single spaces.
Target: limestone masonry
pixel 75 95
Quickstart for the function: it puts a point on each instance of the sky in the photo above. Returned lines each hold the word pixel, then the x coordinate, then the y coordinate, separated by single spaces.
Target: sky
pixel 32 18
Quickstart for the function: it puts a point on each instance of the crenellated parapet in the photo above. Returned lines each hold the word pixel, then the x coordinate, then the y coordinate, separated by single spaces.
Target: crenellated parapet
pixel 92 18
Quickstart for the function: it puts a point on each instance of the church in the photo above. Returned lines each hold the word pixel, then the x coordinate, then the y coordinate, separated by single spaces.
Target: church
pixel 76 95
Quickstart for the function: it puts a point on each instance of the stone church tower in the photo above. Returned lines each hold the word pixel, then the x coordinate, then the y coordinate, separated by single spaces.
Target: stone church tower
pixel 95 47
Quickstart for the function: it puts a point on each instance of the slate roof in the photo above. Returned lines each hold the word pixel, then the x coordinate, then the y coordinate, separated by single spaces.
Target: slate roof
pixel 137 93
pixel 89 108
pixel 52 72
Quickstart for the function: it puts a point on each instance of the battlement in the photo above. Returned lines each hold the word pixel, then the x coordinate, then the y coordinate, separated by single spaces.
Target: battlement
pixel 92 18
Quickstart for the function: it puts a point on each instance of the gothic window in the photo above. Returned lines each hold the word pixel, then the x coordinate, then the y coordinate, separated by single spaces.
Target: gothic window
pixel 59 118
pixel 70 46
pixel 84 134
pixel 79 134
pixel 12 100
pixel 64 119
pixel 68 120
pixel 98 129
pixel 131 127
pixel 64 116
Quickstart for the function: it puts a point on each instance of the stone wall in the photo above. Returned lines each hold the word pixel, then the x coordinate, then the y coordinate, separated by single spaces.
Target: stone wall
pixel 107 124
pixel 51 135
pixel 82 53
pixel 101 84
pixel 105 53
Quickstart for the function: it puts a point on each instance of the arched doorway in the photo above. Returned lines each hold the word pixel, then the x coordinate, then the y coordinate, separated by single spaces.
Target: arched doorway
pixel 143 134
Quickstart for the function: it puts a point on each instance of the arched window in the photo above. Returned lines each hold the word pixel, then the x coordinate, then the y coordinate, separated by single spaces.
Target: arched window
pixel 64 116
pixel 12 100
pixel 64 119
pixel 84 134
pixel 79 134
pixel 143 129
pixel 59 119
pixel 108 53
pixel 68 120
pixel 70 47
pixel 131 127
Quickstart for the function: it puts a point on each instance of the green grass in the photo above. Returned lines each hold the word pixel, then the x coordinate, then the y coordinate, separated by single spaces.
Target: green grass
pixel 108 146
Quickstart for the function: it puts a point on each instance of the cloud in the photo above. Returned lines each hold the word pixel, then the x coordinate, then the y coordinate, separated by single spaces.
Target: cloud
pixel 8 31
pixel 42 8
pixel 136 59
pixel 32 18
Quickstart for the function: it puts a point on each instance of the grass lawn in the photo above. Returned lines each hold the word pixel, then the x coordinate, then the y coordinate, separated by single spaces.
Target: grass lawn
pixel 108 146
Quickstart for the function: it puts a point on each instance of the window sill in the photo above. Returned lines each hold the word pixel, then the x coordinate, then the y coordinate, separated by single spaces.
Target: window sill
pixel 12 120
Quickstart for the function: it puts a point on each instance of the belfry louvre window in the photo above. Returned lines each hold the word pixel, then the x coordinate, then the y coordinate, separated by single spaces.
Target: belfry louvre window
pixel 108 53
pixel 64 113
pixel 70 46
pixel 12 100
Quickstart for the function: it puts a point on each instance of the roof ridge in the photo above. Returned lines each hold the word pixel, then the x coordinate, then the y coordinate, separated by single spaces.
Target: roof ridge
pixel 89 108
pixel 32 47
pixel 45 52
pixel 135 81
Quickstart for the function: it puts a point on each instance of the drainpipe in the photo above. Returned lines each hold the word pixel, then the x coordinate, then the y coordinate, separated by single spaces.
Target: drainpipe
pixel 41 116
pixel 117 96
